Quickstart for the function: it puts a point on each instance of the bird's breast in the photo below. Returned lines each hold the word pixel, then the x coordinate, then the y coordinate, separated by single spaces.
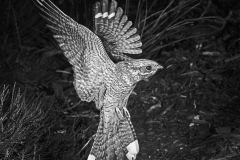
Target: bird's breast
pixel 116 93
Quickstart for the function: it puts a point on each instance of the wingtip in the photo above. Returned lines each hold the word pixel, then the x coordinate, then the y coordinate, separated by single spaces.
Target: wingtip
pixel 97 10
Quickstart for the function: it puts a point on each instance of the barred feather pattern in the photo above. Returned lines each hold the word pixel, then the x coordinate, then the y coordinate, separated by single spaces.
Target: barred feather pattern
pixel 115 30
pixel 97 78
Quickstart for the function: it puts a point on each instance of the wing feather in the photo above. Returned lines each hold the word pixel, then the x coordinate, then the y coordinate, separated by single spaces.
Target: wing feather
pixel 84 50
pixel 116 32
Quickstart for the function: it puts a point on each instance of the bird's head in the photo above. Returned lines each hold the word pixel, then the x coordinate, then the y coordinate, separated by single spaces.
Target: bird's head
pixel 136 70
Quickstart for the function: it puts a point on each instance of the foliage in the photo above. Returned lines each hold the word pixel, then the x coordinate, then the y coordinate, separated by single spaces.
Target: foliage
pixel 23 124
pixel 32 128
pixel 188 111
pixel 178 21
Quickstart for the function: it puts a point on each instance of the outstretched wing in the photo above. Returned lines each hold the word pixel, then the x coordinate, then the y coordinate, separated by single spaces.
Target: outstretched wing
pixel 115 30
pixel 83 48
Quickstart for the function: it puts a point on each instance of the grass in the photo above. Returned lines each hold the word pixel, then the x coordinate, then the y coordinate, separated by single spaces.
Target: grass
pixel 187 111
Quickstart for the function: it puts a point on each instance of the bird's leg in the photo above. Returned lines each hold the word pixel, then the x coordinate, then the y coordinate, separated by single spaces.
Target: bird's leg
pixel 122 111
pixel 124 104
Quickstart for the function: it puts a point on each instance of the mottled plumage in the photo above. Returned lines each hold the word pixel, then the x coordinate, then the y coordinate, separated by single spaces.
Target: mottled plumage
pixel 115 30
pixel 97 78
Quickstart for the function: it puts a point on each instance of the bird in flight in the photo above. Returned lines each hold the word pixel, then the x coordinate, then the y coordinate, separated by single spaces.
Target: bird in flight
pixel 97 77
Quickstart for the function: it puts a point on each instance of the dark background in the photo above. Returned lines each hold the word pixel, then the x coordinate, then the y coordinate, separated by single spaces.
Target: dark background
pixel 189 110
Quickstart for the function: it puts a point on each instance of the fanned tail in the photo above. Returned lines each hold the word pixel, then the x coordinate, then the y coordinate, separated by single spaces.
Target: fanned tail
pixel 117 141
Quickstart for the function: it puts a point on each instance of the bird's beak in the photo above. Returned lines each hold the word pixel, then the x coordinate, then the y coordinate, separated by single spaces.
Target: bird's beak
pixel 159 67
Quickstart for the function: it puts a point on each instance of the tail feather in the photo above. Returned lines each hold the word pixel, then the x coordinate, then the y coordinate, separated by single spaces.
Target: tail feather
pixel 128 138
pixel 117 141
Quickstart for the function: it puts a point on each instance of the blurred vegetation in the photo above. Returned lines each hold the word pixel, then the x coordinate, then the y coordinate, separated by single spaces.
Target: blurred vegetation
pixel 187 111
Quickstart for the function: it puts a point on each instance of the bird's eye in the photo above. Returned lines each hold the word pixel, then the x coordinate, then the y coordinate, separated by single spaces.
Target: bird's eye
pixel 149 68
